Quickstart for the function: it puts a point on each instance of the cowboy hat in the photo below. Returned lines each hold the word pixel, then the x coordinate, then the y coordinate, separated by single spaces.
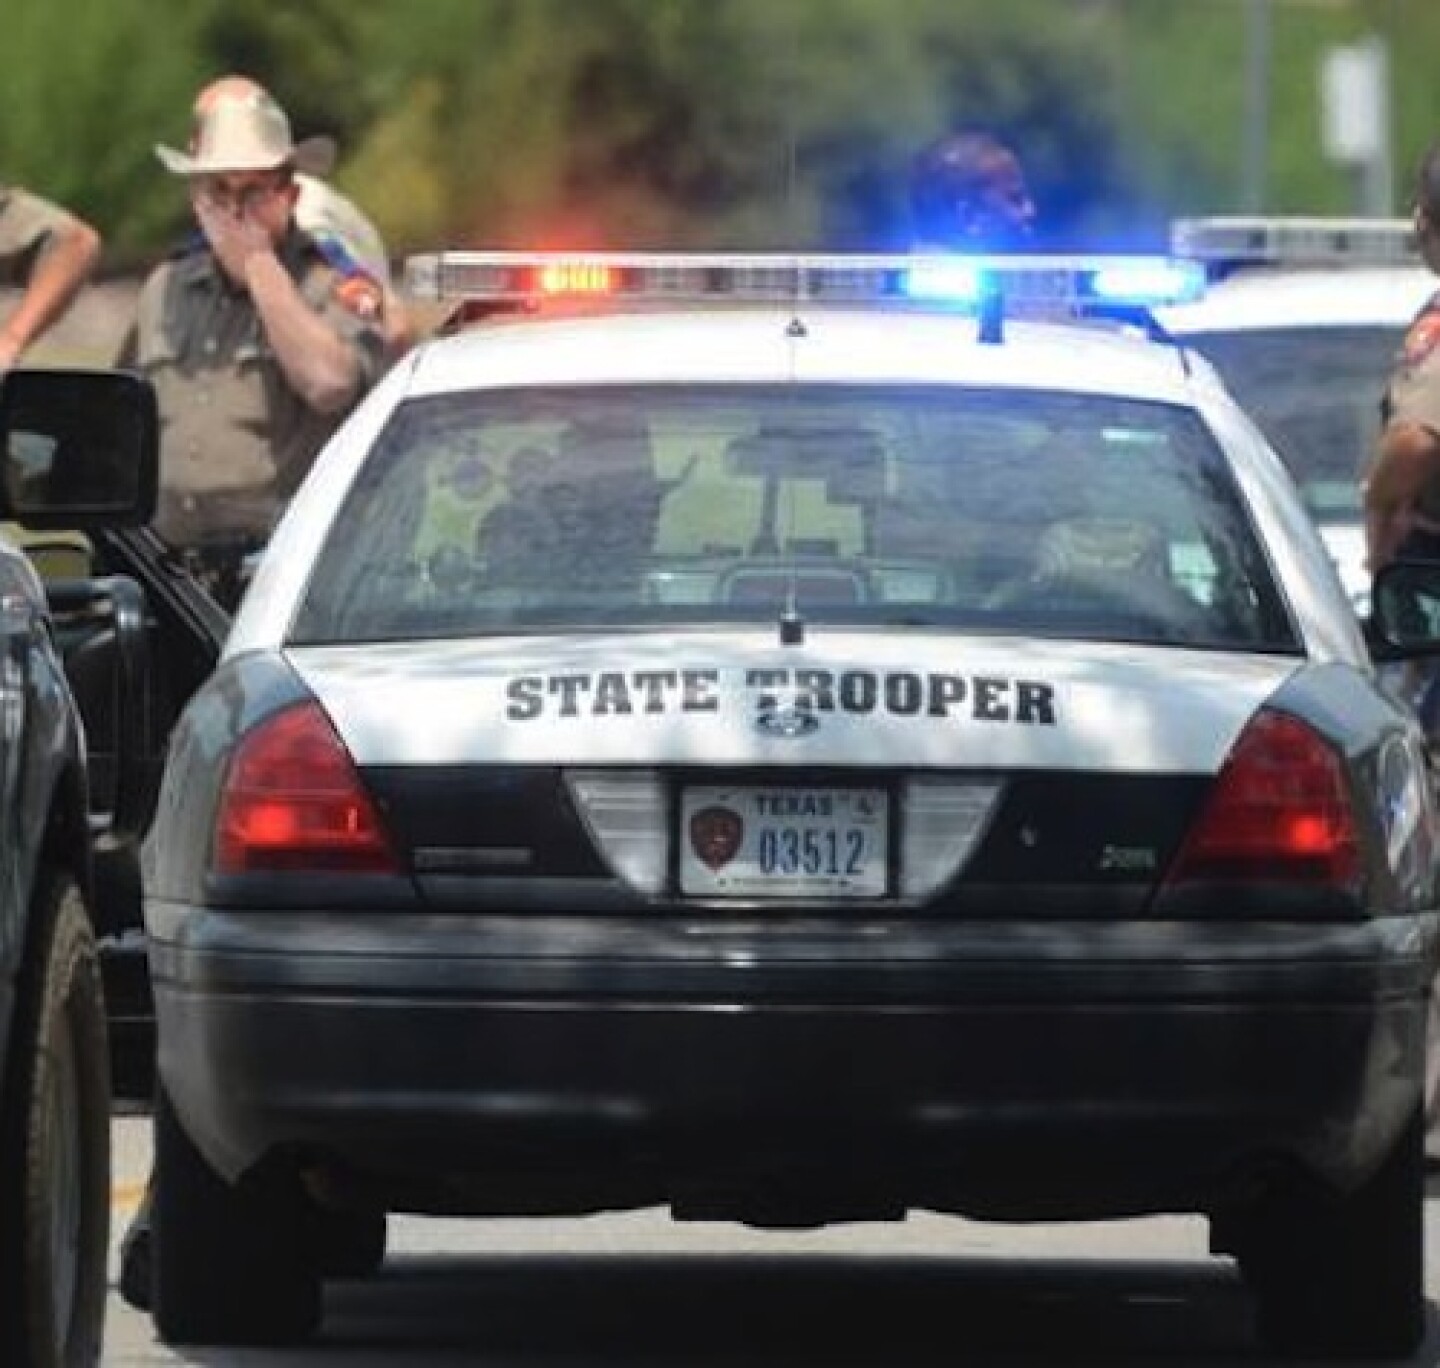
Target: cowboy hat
pixel 248 132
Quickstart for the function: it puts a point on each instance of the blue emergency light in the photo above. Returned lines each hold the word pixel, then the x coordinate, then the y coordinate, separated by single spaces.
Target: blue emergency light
pixel 955 282
pixel 1137 282
pixel 1148 282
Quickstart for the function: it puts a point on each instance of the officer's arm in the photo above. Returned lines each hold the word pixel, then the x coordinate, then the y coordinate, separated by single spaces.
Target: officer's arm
pixel 60 272
pixel 1407 459
pixel 320 363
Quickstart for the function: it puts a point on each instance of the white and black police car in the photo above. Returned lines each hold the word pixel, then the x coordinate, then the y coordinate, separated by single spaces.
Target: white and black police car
pixel 795 740
pixel 1304 318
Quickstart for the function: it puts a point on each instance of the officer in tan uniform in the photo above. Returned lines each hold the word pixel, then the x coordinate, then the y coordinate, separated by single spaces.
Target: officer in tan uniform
pixel 340 228
pixel 1401 491
pixel 1402 485
pixel 48 254
pixel 257 343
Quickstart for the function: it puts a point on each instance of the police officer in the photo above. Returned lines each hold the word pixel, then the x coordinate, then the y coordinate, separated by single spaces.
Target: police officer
pixel 968 192
pixel 49 253
pixel 258 344
pixel 1401 492
pixel 1401 488
pixel 339 227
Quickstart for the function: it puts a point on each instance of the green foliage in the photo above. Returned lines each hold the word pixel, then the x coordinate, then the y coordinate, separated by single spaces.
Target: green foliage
pixel 86 91
pixel 747 123
pixel 743 124
pixel 309 55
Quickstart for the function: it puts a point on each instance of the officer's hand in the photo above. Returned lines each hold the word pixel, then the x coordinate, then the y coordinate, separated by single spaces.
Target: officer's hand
pixel 1384 534
pixel 234 238
pixel 1408 460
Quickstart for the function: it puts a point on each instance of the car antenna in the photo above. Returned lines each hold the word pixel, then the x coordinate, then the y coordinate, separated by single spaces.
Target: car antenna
pixel 792 625
pixel 796 326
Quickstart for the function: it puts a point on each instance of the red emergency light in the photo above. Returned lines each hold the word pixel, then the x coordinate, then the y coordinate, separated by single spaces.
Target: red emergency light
pixel 575 278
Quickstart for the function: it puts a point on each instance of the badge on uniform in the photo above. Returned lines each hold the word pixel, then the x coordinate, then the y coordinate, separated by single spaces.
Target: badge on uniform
pixel 360 296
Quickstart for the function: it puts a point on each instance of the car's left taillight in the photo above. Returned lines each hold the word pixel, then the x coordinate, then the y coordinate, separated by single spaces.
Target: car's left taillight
pixel 293 802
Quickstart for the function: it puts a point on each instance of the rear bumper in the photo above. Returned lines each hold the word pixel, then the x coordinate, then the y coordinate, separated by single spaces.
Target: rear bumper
pixel 1032 1071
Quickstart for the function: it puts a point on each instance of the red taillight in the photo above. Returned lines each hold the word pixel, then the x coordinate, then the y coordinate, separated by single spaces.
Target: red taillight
pixel 1280 811
pixel 293 801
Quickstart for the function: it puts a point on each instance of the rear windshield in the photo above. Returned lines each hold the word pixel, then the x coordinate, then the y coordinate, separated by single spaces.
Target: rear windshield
pixel 1007 511
pixel 1315 393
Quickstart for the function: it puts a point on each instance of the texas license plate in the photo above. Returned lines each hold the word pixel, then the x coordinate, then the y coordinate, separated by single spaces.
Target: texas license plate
pixel 753 842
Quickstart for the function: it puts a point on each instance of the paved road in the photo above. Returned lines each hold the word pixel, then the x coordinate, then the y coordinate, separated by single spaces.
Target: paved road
pixel 639 1288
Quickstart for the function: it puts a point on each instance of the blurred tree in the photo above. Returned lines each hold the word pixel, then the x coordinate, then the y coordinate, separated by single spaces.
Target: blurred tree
pixel 744 124
pixel 690 122
pixel 85 93
pixel 309 55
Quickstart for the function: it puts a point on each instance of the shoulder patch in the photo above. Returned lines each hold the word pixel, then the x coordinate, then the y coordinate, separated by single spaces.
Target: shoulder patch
pixel 337 253
pixel 359 295
pixel 1422 338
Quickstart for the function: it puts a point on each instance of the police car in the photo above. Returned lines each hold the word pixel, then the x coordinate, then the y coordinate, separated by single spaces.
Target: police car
pixel 796 740
pixel 1304 317
pixel 75 452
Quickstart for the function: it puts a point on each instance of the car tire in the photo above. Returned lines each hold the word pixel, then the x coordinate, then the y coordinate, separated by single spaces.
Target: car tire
pixel 55 1143
pixel 234 1264
pixel 1342 1275
pixel 350 1244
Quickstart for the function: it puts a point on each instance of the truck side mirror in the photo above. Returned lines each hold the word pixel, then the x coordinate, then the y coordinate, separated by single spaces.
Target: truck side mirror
pixel 78 449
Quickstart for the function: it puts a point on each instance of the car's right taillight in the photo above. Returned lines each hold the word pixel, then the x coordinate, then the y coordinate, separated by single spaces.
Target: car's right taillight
pixel 1280 812
pixel 293 801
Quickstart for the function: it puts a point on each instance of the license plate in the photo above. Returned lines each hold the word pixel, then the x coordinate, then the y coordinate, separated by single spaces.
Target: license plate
pixel 751 842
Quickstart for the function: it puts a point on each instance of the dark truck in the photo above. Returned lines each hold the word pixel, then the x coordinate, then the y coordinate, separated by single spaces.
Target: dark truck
pixel 120 572
pixel 77 452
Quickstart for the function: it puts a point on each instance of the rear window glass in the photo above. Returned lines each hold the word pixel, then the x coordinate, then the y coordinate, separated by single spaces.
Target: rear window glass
pixel 1007 511
pixel 1315 394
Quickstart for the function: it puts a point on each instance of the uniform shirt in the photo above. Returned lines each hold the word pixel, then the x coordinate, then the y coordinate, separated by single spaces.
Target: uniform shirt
pixel 1413 394
pixel 236 439
pixel 27 223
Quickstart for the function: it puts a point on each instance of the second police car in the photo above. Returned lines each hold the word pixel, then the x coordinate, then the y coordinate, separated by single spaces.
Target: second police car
pixel 749 736
pixel 1304 318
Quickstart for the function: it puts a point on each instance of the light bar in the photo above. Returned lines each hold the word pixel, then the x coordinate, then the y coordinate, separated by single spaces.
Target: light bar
pixel 1296 241
pixel 1019 283
pixel 1153 282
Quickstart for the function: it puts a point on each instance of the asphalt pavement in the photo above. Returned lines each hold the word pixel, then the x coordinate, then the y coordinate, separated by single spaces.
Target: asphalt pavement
pixel 638 1288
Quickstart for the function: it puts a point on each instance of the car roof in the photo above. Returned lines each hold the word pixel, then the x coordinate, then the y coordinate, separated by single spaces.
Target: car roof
pixel 1268 297
pixel 808 343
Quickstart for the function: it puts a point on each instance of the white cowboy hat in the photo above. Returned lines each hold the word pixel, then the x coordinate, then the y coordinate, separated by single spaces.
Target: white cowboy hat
pixel 247 133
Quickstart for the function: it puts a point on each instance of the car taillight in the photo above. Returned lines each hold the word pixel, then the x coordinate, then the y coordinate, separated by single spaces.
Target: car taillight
pixel 293 801
pixel 1280 811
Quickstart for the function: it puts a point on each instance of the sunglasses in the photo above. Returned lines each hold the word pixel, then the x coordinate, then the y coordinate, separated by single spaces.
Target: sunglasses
pixel 241 193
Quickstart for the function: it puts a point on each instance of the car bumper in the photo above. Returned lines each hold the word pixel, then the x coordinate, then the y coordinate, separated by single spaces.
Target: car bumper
pixel 1020 1071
